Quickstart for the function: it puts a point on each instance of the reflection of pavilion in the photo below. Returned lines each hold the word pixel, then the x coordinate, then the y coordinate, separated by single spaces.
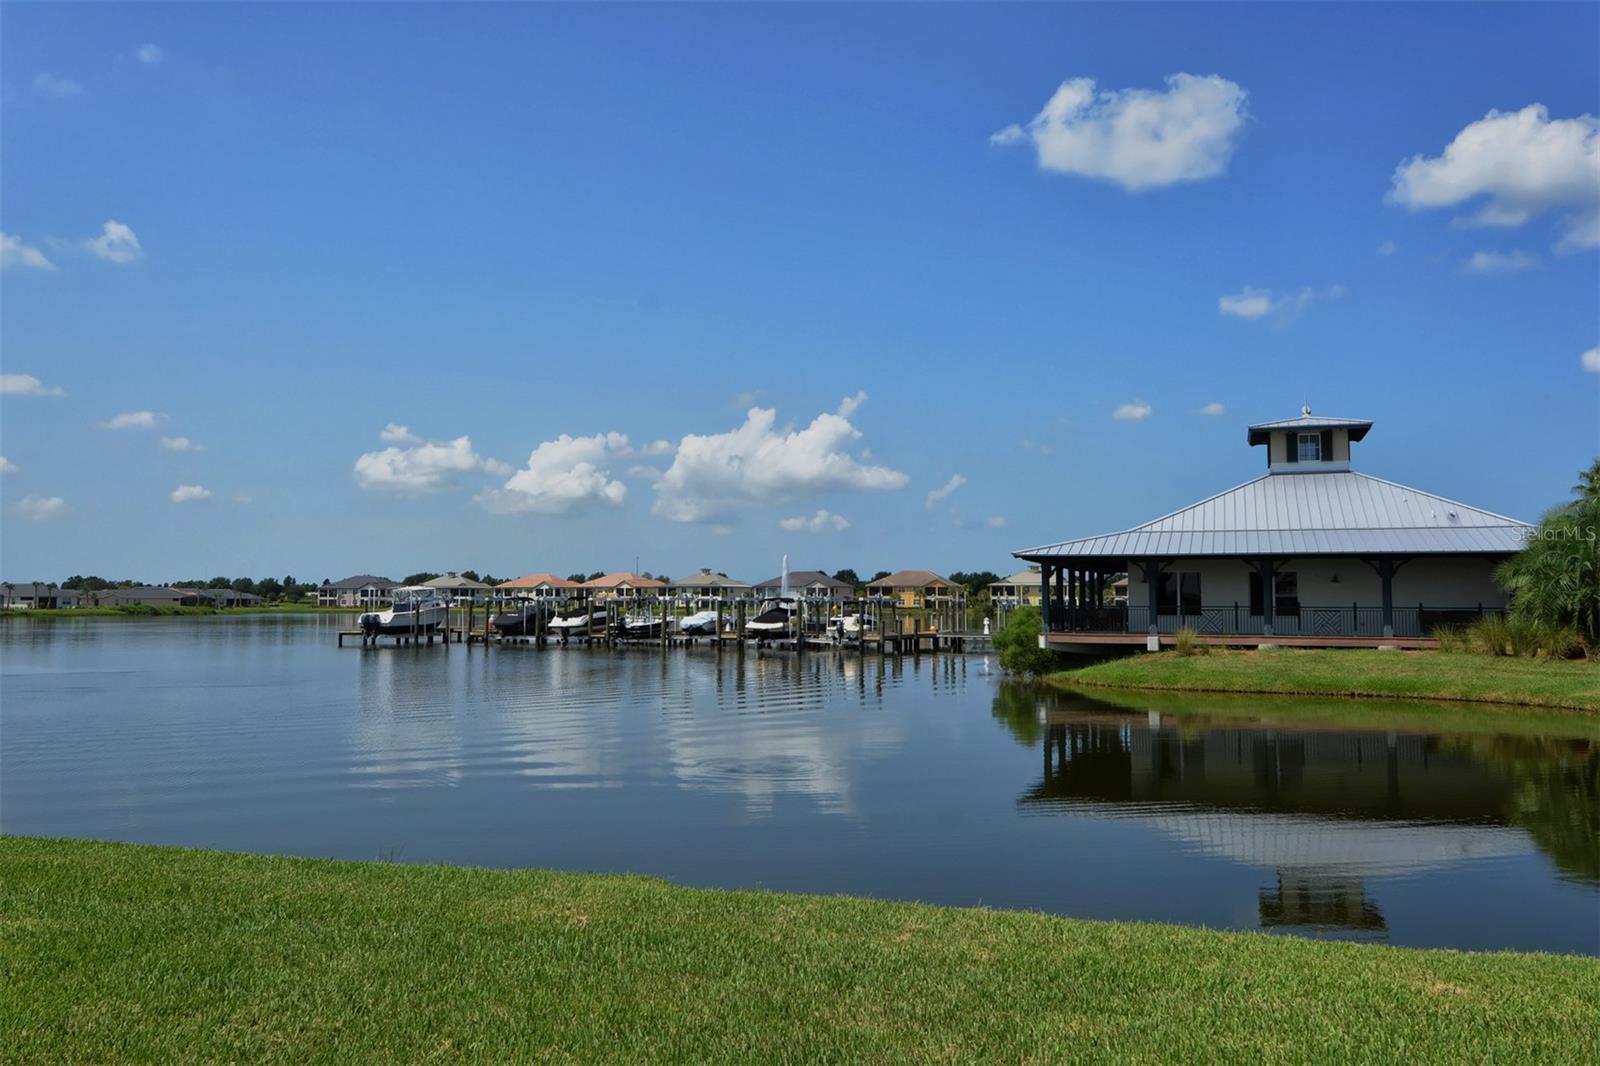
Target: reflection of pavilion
pixel 1326 810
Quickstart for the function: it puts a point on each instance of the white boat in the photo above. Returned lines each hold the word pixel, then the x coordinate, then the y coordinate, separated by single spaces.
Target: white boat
pixel 848 626
pixel 577 620
pixel 699 623
pixel 413 609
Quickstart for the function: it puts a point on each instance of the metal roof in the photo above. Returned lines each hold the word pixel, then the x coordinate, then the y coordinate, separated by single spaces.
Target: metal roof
pixel 1261 431
pixel 1325 513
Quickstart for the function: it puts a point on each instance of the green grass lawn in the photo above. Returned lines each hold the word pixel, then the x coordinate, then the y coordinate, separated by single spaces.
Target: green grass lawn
pixel 115 952
pixel 151 610
pixel 1356 672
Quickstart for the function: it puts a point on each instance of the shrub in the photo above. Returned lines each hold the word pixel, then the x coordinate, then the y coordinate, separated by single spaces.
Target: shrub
pixel 1018 644
pixel 1555 580
pixel 1186 642
pixel 1453 639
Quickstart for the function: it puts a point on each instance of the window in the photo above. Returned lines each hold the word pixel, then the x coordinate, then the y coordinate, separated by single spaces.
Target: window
pixel 1309 447
pixel 1178 589
pixel 1285 594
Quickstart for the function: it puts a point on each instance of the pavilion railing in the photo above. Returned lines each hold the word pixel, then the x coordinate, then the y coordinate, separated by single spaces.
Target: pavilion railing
pixel 1349 620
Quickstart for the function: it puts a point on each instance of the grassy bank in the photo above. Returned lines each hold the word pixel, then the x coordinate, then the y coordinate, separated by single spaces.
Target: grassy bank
pixel 1356 672
pixel 117 952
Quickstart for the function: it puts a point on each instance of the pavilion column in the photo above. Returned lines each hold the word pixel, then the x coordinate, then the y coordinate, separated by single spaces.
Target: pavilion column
pixel 1044 597
pixel 1267 570
pixel 1152 581
pixel 1386 570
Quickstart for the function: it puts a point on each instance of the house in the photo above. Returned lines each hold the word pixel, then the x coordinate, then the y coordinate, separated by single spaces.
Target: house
pixel 229 598
pixel 1310 553
pixel 708 586
pixel 363 591
pixel 38 594
pixel 918 589
pixel 1021 589
pixel 541 588
pixel 153 596
pixel 623 586
pixel 461 589
pixel 812 584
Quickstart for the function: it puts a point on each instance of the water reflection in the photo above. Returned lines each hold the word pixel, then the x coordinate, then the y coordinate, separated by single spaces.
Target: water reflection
pixel 1325 808
pixel 823 773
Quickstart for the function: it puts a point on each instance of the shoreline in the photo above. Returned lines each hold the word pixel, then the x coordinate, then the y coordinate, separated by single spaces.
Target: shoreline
pixel 136 951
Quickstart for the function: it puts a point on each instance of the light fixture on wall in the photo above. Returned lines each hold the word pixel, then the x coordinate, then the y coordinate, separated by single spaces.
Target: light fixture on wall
pixel 1334 580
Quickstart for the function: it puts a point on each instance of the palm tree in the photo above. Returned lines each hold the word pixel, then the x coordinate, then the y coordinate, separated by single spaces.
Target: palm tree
pixel 1588 486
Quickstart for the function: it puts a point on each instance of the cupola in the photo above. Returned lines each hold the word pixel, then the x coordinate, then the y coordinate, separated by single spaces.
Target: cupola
pixel 1310 443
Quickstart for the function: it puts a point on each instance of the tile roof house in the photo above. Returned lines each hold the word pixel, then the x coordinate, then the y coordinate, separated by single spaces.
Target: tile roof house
pixel 540 587
pixel 363 591
pixel 810 583
pixel 1312 552
pixel 622 585
pixel 918 588
pixel 36 594
pixel 709 585
pixel 1021 589
pixel 460 588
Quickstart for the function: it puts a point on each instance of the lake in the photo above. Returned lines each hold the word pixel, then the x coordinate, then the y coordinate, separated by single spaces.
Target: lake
pixel 929 779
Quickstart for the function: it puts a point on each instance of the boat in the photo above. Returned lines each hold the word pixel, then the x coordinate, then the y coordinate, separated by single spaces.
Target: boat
pixel 412 609
pixel 641 627
pixel 521 622
pixel 577 621
pixel 701 623
pixel 774 619
pixel 848 627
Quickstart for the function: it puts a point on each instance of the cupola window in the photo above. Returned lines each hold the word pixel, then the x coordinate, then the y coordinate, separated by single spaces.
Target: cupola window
pixel 1308 447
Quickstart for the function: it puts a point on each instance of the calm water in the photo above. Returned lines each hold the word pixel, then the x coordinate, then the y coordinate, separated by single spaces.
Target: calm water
pixel 925 780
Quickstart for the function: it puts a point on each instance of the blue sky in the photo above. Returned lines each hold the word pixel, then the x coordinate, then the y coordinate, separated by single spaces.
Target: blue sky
pixel 514 223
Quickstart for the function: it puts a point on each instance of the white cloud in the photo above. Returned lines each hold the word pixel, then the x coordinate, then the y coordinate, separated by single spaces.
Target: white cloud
pixel 394 433
pixel 561 475
pixel 1136 138
pixel 41 509
pixel 1213 408
pixel 646 473
pixel 1483 262
pixel 116 243
pixel 658 447
pixel 822 522
pixel 1137 411
pixel 1589 360
pixel 241 499
pixel 1519 164
pixel 27 385
pixel 717 473
pixel 1388 248
pixel 61 88
pixel 133 420
pixel 996 522
pixel 181 444
pixel 150 54
pixel 427 466
pixel 1253 303
pixel 7 466
pixel 1248 303
pixel 934 497
pixel 187 493
pixel 13 253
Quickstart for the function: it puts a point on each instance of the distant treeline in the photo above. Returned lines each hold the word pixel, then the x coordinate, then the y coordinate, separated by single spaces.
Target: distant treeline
pixel 268 588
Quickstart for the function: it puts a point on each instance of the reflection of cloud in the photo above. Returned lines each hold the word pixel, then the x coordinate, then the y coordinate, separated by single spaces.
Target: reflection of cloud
pixel 404 735
pixel 771 737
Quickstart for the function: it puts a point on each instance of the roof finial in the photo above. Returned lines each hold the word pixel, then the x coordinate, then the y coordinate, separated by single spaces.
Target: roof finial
pixel 1305 409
